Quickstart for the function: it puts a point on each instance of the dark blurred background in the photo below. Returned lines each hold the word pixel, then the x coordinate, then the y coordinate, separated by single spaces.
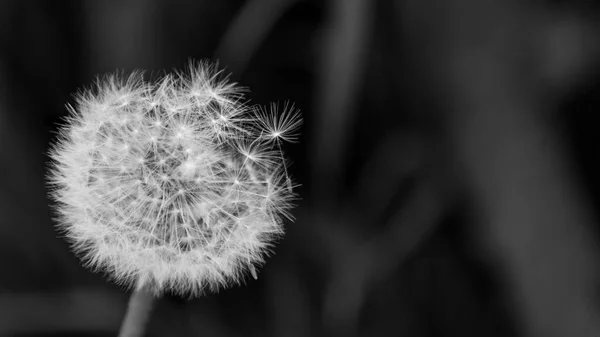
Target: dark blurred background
pixel 447 163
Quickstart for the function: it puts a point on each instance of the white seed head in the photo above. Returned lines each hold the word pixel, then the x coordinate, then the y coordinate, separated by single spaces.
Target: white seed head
pixel 177 183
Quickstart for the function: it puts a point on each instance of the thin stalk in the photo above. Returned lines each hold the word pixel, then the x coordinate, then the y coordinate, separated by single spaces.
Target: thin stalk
pixel 138 312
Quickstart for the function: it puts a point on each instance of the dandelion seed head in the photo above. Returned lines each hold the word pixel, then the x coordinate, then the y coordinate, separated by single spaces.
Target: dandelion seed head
pixel 171 183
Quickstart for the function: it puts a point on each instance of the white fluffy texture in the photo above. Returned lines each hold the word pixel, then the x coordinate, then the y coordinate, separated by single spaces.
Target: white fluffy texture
pixel 176 184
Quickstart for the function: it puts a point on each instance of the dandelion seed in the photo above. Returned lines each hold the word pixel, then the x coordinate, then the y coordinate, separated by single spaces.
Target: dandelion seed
pixel 253 272
pixel 279 127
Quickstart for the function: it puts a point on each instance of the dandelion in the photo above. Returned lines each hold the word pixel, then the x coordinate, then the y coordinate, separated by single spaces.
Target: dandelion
pixel 174 185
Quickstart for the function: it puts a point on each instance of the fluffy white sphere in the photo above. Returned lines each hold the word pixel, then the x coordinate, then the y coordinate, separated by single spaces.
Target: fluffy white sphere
pixel 176 184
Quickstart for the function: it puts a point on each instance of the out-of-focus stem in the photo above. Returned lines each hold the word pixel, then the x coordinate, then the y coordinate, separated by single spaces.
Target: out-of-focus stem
pixel 339 74
pixel 138 313
pixel 248 30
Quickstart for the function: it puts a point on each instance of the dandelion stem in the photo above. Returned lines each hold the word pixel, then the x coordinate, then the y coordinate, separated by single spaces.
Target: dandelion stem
pixel 138 312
